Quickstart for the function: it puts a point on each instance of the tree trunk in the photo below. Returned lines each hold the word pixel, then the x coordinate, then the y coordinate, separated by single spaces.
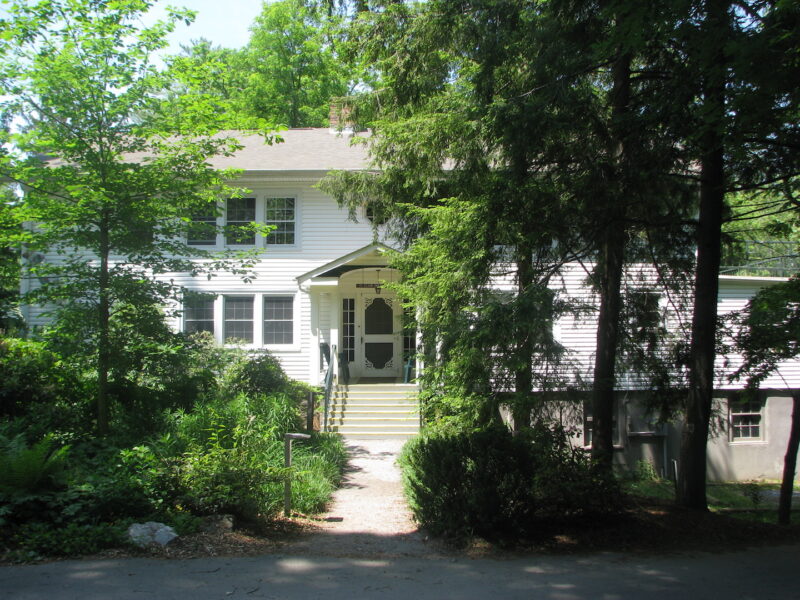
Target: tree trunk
pixel 611 263
pixel 523 375
pixel 692 472
pixel 103 341
pixel 790 464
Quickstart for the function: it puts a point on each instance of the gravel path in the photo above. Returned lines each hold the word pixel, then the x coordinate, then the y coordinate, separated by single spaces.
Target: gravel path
pixel 369 515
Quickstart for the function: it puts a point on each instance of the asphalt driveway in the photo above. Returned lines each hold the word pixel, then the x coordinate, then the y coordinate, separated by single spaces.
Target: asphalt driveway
pixel 763 574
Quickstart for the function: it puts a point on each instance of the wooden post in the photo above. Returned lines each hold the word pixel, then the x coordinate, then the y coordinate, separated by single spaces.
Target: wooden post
pixel 312 397
pixel 287 462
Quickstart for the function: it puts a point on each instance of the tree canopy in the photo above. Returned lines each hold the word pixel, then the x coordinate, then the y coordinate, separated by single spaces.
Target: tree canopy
pixel 286 75
pixel 111 178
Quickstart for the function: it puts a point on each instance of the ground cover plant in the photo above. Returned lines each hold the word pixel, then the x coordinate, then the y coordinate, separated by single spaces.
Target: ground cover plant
pixel 213 447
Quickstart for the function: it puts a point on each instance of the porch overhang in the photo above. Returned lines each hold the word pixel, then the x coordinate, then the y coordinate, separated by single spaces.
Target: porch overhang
pixel 327 275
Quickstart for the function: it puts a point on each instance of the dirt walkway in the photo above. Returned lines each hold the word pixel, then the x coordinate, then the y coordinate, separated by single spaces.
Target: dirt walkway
pixel 369 516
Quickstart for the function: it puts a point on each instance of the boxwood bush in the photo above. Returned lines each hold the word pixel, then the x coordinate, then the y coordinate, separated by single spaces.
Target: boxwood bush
pixel 493 484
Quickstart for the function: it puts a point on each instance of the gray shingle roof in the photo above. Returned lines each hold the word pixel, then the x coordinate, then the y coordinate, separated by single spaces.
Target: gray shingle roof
pixel 310 149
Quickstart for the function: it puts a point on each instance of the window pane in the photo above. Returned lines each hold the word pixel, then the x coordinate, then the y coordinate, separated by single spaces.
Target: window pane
pixel 203 228
pixel 239 318
pixel 280 213
pixel 745 419
pixel 240 213
pixel 278 319
pixel 349 329
pixel 198 314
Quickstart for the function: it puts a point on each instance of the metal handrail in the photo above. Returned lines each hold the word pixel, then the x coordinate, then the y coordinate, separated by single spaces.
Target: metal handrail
pixel 330 379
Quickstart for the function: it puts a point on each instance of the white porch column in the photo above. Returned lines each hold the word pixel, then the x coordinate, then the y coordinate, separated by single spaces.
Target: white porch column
pixel 314 363
pixel 336 320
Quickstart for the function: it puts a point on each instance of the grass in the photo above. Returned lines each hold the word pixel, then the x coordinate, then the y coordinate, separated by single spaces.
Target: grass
pixel 752 500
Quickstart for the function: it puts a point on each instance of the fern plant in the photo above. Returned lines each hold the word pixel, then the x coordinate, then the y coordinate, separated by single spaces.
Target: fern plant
pixel 36 468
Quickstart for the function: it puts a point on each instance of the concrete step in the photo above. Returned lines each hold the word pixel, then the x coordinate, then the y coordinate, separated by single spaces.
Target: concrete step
pixel 364 411
pixel 375 410
pixel 394 396
pixel 379 435
pixel 346 429
pixel 375 420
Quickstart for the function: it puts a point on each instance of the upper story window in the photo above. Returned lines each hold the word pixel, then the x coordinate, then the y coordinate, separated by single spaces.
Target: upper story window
pixel 240 212
pixel 280 212
pixel 203 228
pixel 746 416
pixel 230 224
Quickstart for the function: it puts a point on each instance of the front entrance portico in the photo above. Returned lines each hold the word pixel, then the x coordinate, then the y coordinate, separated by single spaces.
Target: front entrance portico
pixel 354 311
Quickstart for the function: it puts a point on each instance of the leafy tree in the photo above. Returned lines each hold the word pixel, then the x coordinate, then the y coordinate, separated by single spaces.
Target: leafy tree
pixel 770 335
pixel 286 75
pixel 111 175
pixel 458 165
pixel 293 70
pixel 9 264
pixel 498 158
pixel 746 135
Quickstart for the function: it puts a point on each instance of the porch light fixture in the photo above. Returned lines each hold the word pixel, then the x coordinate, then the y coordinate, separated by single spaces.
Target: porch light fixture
pixel 378 286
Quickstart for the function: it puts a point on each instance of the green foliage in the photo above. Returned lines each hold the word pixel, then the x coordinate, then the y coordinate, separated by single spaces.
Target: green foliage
pixel 35 540
pixel 31 469
pixel 771 328
pixel 753 492
pixel 39 390
pixel 109 171
pixel 645 471
pixel 287 74
pixel 496 485
pixel 262 374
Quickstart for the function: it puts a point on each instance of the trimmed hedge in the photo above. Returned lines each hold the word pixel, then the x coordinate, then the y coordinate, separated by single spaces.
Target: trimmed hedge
pixel 495 485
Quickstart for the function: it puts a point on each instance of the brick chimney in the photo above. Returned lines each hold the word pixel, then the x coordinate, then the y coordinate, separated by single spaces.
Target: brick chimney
pixel 339 118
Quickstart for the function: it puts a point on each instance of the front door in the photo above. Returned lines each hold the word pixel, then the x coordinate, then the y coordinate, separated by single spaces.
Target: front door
pixel 380 332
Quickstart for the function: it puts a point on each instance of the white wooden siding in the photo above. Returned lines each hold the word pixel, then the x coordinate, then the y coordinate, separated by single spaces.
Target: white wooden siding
pixel 324 233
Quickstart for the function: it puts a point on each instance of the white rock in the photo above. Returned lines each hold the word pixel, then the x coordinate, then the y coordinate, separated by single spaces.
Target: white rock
pixel 144 534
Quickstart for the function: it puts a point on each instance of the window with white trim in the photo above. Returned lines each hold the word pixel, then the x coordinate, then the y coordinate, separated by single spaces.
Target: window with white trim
pixel 203 228
pixel 198 314
pixel 239 214
pixel 588 423
pixel 238 319
pixel 349 329
pixel 278 320
pixel 746 419
pixel 280 213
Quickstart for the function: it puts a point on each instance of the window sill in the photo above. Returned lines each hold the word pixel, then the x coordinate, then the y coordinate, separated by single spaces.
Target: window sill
pixel 615 446
pixel 282 347
pixel 748 442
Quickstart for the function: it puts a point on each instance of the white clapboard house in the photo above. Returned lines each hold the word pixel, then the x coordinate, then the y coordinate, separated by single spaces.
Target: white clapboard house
pixel 320 304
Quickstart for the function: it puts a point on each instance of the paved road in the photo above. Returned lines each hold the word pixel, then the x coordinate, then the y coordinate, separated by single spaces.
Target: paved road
pixel 763 574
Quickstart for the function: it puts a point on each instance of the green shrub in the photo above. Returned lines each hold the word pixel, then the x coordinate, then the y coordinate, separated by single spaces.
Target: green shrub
pixel 496 485
pixel 39 393
pixel 70 540
pixel 261 374
pixel 317 471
